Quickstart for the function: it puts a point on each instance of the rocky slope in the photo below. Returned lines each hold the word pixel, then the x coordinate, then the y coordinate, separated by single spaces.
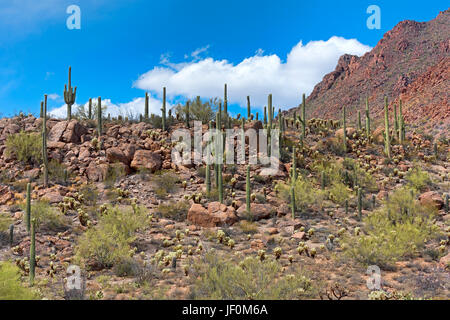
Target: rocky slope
pixel 411 62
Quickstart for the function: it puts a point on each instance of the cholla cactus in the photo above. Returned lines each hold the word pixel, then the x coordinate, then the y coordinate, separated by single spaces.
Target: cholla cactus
pixel 231 243
pixel 277 252
pixel 262 254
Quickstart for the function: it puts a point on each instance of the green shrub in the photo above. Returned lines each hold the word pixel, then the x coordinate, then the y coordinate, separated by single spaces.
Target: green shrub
pixel 108 243
pixel 252 279
pixel 56 171
pixel 10 285
pixel 115 172
pixel 248 226
pixel 174 210
pixel 89 194
pixel 397 230
pixel 165 182
pixel 26 147
pixel 306 194
pixel 199 110
pixel 418 179
pixel 47 217
pixel 339 192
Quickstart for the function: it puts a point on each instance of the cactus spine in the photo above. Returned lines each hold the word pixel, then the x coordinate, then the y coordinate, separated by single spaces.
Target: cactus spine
pixel 28 207
pixel 345 129
pixel 247 189
pixel 44 143
pixel 367 118
pixel 32 251
pixel 69 95
pixel 163 110
pixel 99 117
pixel 249 110
pixel 387 142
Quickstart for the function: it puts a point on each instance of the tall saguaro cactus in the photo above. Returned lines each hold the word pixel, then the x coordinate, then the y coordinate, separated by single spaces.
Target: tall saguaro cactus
pixel 345 129
pixel 294 166
pixel 293 201
pixel 387 142
pixel 90 109
pixel 69 95
pixel 99 116
pixel 44 143
pixel 269 106
pixel 247 190
pixel 163 110
pixel 28 207
pixel 187 114
pixel 303 116
pixel 32 251
pixel 401 124
pixel 367 118
pixel 225 99
pixel 249 111
pixel 146 107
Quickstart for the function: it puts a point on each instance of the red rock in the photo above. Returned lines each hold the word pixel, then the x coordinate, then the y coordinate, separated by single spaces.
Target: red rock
pixel 258 211
pixel 431 198
pixel 146 159
pixel 299 235
pixel 216 215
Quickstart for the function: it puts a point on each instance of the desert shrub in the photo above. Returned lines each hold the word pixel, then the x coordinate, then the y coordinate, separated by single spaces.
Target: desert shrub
pixel 201 172
pixel 5 222
pixel 89 194
pixel 248 226
pixel 126 267
pixel 10 285
pixel 222 279
pixel 47 217
pixel 306 194
pixel 56 171
pixel 332 144
pixel 418 179
pixel 26 147
pixel 174 210
pixel 164 182
pixel 199 110
pixel 115 172
pixel 353 175
pixel 339 192
pixel 397 230
pixel 108 243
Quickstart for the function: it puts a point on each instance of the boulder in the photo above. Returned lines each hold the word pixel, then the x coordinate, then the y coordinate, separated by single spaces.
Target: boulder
pixel 216 215
pixel 124 155
pixel 431 198
pixel 145 159
pixel 67 131
pixel 97 172
pixel 258 211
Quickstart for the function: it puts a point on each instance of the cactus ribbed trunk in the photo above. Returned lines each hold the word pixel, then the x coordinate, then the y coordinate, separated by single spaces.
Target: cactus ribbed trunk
pixel 28 207
pixel 359 204
pixel 187 114
pixel 163 110
pixel 11 235
pixel 208 178
pixel 99 117
pixel 146 114
pixel 294 166
pixel 220 183
pixel 247 190
pixel 69 95
pixel 387 140
pixel 367 118
pixel 303 116
pixel 90 109
pixel 225 100
pixel 395 122
pixel 359 120
pixel 345 129
pixel 42 109
pixel 249 110
pixel 32 251
pixel 293 202
pixel 401 125
pixel 265 115
pixel 44 144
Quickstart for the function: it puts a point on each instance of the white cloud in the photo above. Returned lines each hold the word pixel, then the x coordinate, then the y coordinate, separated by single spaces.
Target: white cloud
pixel 131 109
pixel 54 96
pixel 256 76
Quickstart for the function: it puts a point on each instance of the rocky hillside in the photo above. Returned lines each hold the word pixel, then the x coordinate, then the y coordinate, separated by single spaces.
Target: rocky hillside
pixel 411 63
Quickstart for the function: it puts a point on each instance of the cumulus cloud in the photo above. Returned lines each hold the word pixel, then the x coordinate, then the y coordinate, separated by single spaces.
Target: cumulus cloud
pixel 129 109
pixel 257 76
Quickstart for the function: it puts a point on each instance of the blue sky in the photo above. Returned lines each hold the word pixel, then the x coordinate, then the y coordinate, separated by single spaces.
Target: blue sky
pixel 126 47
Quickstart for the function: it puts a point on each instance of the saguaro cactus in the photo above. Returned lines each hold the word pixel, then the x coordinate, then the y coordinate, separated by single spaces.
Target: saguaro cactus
pixel 269 105
pixel 247 189
pixel 163 110
pixel 265 115
pixel 225 100
pixel 344 125
pixel 220 182
pixel 294 166
pixel 11 235
pixel 44 143
pixel 293 202
pixel 69 95
pixel 387 142
pixel 359 203
pixel 395 122
pixel 367 118
pixel 401 124
pixel 28 207
pixel 187 114
pixel 249 111
pixel 99 116
pixel 208 178
pixel 42 109
pixel 303 120
pixel 90 109
pixel 146 114
pixel 32 251
pixel 359 120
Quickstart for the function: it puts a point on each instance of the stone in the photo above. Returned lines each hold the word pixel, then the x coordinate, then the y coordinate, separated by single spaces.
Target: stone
pixel 216 215
pixel 431 198
pixel 145 159
pixel 258 211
